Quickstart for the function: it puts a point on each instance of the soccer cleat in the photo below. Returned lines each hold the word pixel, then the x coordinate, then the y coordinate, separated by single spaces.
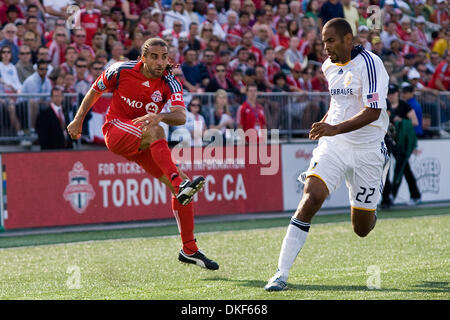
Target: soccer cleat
pixel 199 259
pixel 188 189
pixel 276 283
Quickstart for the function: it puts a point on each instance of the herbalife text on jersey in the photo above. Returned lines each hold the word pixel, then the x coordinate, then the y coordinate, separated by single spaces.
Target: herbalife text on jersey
pixel 240 148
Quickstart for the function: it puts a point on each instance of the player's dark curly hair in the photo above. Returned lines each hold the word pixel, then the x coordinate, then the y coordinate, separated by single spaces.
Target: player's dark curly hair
pixel 157 42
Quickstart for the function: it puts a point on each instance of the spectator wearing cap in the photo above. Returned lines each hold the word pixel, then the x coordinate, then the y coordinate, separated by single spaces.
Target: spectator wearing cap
pixel 195 73
pixel 408 95
pixel 351 15
pixel 440 15
pixel 157 18
pixel 280 58
pixel 396 17
pixel 281 37
pixel 422 38
pixel 405 28
pixel 363 37
pixel 387 10
pixel 9 36
pixel 377 46
pixel 329 10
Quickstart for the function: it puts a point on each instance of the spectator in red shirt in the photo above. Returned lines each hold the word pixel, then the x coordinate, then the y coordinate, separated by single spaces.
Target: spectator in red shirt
pixel 441 76
pixel 281 37
pixel 271 66
pixel 79 41
pixel 251 116
pixel 440 14
pixel 90 20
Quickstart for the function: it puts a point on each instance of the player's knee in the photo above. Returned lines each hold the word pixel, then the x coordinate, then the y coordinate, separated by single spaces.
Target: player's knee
pixel 151 134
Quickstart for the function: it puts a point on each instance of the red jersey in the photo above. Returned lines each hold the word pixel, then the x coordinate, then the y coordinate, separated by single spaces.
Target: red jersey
pixel 442 72
pixel 135 95
pixel 251 117
pixel 91 22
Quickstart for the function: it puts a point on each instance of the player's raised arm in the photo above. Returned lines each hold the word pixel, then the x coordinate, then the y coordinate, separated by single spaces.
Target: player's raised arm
pixel 75 127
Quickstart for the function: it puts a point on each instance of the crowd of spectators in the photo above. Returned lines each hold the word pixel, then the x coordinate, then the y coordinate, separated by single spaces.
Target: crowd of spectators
pixel 274 46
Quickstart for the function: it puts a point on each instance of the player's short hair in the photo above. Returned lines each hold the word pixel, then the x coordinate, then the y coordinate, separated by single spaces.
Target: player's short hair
pixel 152 42
pixel 340 26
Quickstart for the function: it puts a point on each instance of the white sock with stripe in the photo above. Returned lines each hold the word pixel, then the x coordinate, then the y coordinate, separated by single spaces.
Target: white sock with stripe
pixel 292 244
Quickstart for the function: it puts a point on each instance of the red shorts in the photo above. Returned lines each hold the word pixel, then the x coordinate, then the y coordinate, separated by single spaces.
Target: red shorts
pixel 124 138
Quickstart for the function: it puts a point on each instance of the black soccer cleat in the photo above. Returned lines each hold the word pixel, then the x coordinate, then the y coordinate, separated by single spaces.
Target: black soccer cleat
pixel 199 259
pixel 188 189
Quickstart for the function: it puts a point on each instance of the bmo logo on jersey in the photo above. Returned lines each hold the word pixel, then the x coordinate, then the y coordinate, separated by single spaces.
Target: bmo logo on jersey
pixel 150 107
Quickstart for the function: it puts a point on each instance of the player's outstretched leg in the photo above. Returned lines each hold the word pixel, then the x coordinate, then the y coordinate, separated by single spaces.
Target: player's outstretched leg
pixel 159 148
pixel 314 195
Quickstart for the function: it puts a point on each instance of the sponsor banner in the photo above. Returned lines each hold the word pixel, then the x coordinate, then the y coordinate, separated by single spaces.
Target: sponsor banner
pixel 430 167
pixel 295 160
pixel 84 187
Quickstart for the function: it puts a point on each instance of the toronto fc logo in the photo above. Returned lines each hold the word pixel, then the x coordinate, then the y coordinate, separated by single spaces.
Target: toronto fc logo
pixel 156 96
pixel 79 192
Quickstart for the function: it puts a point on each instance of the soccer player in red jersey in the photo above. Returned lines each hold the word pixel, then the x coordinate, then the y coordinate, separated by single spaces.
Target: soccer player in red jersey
pixel 140 91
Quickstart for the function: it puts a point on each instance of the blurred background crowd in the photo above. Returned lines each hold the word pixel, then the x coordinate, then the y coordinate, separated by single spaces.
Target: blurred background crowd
pixel 60 47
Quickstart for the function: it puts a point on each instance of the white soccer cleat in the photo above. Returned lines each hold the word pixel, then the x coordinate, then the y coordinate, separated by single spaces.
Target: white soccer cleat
pixel 277 283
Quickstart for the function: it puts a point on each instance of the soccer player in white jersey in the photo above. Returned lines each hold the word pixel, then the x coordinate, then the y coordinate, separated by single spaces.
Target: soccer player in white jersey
pixel 350 145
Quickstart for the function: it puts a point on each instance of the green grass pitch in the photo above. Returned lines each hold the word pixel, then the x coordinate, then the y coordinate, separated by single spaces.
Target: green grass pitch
pixel 409 249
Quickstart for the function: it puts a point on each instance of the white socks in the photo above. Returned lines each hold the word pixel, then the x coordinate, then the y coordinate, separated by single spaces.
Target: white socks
pixel 296 234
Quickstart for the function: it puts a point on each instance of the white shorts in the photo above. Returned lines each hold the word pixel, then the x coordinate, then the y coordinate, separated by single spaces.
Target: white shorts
pixel 364 170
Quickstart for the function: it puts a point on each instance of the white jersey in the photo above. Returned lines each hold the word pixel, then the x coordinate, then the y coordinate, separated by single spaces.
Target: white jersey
pixel 361 82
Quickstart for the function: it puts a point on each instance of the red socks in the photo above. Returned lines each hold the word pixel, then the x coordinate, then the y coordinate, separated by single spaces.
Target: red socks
pixel 162 156
pixel 185 220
